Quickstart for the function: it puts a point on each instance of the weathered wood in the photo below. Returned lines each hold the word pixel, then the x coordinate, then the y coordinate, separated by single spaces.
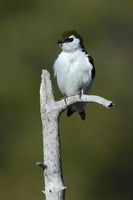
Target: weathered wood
pixel 50 113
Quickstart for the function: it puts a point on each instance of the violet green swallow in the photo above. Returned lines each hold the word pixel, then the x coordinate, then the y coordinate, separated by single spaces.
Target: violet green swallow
pixel 74 69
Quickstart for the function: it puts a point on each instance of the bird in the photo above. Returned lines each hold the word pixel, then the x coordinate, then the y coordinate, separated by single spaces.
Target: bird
pixel 74 70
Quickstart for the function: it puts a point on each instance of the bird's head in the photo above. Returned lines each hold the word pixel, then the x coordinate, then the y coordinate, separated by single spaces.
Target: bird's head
pixel 70 41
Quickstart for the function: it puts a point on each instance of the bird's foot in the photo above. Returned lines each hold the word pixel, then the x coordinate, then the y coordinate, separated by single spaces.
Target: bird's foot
pixel 65 97
pixel 81 93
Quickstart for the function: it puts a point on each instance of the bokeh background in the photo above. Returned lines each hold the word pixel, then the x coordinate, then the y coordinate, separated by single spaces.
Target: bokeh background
pixel 97 154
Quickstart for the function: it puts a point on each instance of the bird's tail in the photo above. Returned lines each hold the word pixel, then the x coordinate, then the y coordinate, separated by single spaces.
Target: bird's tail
pixel 70 111
pixel 82 115
pixel 75 108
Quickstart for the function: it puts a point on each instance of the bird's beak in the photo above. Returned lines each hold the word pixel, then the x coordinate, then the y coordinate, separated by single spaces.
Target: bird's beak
pixel 59 42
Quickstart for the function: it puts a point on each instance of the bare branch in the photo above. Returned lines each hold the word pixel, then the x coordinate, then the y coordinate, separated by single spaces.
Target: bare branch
pixel 50 114
pixel 84 98
pixel 41 164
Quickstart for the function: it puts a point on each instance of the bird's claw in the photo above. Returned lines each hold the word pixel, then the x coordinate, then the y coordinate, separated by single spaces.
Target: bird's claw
pixel 65 97
pixel 81 93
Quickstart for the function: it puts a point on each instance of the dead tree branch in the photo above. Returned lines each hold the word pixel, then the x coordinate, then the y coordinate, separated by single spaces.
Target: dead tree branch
pixel 50 113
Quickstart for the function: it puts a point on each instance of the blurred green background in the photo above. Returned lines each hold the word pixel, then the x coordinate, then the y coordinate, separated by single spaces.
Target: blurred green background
pixel 97 154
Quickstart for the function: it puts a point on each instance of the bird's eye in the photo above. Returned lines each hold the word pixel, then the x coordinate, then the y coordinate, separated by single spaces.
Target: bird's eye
pixel 69 39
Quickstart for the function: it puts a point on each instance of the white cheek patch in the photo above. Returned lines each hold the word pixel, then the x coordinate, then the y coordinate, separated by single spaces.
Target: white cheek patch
pixel 70 46
pixel 76 41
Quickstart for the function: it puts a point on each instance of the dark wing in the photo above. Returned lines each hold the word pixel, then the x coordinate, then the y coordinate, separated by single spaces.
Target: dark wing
pixel 93 69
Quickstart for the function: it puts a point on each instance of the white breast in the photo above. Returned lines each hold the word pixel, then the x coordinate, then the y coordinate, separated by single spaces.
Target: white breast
pixel 73 71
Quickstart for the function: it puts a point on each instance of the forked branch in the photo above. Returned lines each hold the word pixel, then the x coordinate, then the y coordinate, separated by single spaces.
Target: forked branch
pixel 50 114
